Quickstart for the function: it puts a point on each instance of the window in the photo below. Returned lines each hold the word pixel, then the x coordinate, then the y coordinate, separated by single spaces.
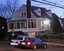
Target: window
pixel 23 25
pixel 33 40
pixel 18 25
pixel 29 25
pixel 22 14
pixel 10 25
pixel 38 40
pixel 19 38
pixel 15 24
pixel 32 24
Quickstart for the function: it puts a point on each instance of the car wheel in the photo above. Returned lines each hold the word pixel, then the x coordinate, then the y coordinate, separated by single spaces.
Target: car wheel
pixel 45 46
pixel 34 47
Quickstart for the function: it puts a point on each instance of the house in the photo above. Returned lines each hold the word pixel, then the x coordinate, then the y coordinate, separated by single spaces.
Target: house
pixel 39 21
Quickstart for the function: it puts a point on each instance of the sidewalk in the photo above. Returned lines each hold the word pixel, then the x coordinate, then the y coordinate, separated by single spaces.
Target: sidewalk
pixel 56 44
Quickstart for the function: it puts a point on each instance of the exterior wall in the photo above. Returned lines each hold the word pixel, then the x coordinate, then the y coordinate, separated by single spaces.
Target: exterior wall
pixel 30 31
pixel 18 13
pixel 39 25
pixel 31 34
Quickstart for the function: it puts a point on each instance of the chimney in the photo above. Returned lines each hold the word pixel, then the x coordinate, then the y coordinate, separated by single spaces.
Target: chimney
pixel 28 9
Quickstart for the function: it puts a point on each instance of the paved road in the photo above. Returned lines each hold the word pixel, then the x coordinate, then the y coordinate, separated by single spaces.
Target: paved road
pixel 7 47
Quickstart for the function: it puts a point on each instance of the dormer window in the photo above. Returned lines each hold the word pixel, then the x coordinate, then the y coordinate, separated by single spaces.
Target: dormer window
pixel 22 14
pixel 39 12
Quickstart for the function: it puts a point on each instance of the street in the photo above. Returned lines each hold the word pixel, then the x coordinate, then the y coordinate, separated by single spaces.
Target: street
pixel 7 47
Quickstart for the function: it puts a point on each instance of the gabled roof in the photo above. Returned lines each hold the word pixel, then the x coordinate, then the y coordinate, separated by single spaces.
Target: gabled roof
pixel 43 11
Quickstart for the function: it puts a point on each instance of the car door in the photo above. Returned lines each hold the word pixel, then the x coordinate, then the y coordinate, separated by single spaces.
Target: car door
pixel 38 42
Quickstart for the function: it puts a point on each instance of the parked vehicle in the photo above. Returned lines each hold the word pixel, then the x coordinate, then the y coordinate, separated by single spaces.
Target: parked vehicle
pixel 33 43
pixel 14 42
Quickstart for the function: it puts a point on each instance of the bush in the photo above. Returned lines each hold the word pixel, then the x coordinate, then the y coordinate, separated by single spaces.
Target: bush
pixel 51 36
pixel 58 36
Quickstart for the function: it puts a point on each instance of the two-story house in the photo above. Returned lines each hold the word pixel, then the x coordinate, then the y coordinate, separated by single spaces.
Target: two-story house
pixel 39 21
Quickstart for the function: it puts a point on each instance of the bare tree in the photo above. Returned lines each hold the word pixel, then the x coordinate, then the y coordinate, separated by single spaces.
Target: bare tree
pixel 8 10
pixel 3 10
pixel 12 6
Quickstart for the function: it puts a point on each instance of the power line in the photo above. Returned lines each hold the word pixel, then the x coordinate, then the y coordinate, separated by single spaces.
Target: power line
pixel 50 3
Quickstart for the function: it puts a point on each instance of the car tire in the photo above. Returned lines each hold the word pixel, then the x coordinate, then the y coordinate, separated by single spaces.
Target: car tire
pixel 45 46
pixel 34 47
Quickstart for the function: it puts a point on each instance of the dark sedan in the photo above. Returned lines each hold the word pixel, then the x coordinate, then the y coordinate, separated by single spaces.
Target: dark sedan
pixel 33 43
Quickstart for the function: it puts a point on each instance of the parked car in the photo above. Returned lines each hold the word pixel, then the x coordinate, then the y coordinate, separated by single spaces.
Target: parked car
pixel 33 43
pixel 14 42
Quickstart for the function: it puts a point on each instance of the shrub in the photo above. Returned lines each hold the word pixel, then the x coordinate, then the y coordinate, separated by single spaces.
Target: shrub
pixel 52 36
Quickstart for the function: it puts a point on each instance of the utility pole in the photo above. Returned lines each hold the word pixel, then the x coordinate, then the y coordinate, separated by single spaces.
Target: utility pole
pixel 28 9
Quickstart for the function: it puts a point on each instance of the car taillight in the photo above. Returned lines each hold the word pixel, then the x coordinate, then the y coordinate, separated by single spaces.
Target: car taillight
pixel 18 42
pixel 28 43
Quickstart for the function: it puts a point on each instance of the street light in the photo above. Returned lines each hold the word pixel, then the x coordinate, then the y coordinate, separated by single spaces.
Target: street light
pixel 2 27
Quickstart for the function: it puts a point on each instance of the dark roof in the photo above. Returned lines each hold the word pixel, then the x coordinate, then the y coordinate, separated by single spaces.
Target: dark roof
pixel 62 21
pixel 43 10
pixel 55 16
pixel 35 8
